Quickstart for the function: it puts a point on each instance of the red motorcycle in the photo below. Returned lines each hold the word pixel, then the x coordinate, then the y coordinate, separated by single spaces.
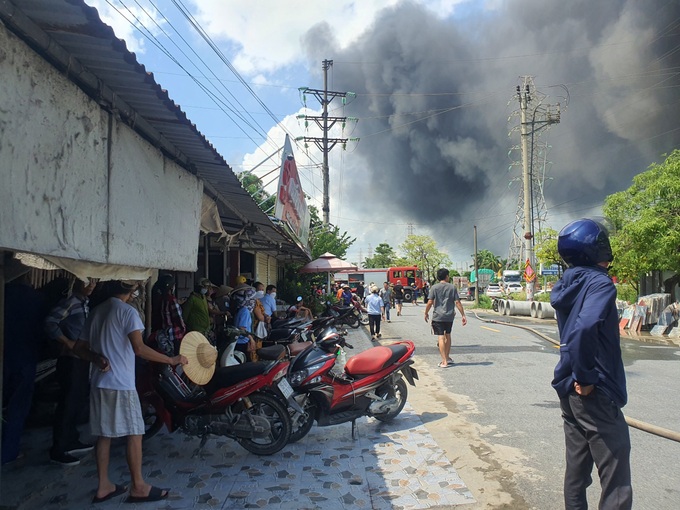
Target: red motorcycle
pixel 370 385
pixel 247 402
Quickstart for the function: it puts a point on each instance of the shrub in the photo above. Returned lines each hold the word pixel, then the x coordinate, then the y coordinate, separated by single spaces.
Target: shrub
pixel 543 298
pixel 626 292
pixel 485 302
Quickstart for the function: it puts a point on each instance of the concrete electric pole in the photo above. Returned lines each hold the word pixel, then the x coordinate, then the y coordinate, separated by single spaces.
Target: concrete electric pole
pixel 534 116
pixel 326 123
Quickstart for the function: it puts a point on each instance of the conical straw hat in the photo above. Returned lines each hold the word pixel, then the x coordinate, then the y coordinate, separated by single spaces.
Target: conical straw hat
pixel 201 355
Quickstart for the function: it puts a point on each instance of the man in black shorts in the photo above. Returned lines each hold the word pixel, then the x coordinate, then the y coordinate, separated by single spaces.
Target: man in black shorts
pixel 398 296
pixel 445 299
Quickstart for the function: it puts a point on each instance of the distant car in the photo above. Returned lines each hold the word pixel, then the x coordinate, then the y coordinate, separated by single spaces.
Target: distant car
pixel 494 290
pixel 465 293
pixel 512 287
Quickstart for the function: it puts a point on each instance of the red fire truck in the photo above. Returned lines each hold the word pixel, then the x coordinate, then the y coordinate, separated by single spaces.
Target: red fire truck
pixel 407 275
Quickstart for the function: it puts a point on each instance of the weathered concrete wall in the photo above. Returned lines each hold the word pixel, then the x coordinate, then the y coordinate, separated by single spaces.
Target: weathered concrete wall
pixel 61 195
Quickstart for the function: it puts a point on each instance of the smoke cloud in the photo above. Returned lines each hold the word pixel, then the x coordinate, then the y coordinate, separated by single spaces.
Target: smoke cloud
pixel 434 97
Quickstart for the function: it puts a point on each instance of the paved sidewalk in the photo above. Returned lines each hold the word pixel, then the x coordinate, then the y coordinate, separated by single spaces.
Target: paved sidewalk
pixel 390 466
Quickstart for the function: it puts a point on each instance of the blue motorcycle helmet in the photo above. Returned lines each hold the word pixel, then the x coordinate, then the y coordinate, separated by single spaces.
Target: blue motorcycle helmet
pixel 584 242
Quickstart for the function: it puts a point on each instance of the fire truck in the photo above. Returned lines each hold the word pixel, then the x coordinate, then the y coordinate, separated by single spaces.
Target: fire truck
pixel 407 275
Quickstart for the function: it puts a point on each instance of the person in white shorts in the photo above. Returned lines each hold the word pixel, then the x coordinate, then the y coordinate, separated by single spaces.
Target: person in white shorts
pixel 114 329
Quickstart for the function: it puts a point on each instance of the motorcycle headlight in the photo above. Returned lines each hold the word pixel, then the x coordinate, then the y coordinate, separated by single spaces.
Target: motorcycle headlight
pixel 298 376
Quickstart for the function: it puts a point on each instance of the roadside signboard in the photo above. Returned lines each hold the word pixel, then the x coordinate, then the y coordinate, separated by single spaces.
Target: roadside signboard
pixel 553 270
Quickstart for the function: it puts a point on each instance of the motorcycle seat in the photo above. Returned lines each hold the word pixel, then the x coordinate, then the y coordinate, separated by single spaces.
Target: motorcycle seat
pixel 276 335
pixel 228 376
pixel 375 359
pixel 272 352
pixel 296 348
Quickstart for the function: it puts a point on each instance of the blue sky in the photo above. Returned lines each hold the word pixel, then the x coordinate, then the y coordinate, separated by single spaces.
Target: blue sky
pixel 436 82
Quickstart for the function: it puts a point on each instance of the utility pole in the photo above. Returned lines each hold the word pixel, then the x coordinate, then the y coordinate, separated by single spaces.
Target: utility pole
pixel 409 229
pixel 326 123
pixel 534 116
pixel 476 272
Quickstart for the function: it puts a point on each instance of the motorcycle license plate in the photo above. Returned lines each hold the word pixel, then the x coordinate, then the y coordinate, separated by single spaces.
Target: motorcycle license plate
pixel 285 388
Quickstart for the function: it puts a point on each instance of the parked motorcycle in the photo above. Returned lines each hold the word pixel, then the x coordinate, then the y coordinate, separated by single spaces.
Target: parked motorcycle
pixel 370 385
pixel 348 315
pixel 363 312
pixel 247 402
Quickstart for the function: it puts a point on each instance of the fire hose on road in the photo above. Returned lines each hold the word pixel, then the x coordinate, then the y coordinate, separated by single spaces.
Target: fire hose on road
pixel 632 422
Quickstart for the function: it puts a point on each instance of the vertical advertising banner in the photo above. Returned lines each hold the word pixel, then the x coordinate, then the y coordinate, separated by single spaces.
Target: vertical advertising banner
pixel 291 206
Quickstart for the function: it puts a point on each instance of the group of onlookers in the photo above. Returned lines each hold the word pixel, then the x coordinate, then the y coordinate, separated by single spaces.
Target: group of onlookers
pixel 96 350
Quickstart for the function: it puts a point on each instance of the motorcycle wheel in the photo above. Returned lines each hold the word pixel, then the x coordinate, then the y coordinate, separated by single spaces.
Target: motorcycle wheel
pixel 364 318
pixel 398 390
pixel 303 424
pixel 276 413
pixel 152 420
pixel 352 321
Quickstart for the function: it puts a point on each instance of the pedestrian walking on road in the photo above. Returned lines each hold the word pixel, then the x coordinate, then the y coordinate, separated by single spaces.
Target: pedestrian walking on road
pixel 376 311
pixel 398 291
pixel 444 298
pixel 386 295
pixel 589 377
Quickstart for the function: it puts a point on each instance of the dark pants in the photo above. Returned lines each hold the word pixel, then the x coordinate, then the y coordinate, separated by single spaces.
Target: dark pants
pixel 374 324
pixel 596 432
pixel 73 375
pixel 387 311
pixel 18 382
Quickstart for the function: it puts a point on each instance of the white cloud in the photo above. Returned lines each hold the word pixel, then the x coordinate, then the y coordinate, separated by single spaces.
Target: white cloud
pixel 266 34
pixel 123 18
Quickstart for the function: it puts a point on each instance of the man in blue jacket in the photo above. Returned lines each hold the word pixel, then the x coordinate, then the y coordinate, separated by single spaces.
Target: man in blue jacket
pixel 589 378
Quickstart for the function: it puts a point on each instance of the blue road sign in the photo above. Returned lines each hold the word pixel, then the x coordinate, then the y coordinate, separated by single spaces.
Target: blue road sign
pixel 553 270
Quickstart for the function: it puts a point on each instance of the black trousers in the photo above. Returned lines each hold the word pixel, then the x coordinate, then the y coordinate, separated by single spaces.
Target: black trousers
pixel 596 431
pixel 374 324
pixel 73 375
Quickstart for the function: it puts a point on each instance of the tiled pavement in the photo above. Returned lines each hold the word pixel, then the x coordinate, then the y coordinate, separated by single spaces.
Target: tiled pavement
pixel 389 466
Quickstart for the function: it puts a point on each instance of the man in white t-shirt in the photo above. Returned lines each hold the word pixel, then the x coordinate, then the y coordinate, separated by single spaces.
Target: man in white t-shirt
pixel 114 329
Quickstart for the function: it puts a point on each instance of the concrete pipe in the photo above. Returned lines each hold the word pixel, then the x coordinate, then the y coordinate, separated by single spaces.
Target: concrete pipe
pixel 519 308
pixel 506 306
pixel 545 311
pixel 534 308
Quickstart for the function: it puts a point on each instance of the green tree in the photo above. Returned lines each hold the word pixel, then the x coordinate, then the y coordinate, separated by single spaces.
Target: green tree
pixel 384 256
pixel 545 247
pixel 322 239
pixel 422 251
pixel 646 221
pixel 253 185
pixel 487 260
pixel 327 238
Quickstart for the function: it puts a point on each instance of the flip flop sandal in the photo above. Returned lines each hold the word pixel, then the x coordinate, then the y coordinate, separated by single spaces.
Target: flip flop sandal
pixel 155 494
pixel 119 490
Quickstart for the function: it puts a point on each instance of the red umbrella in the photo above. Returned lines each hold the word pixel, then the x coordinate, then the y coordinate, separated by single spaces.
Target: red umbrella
pixel 327 263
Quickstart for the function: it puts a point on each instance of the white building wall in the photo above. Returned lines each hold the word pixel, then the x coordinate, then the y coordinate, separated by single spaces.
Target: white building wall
pixel 60 194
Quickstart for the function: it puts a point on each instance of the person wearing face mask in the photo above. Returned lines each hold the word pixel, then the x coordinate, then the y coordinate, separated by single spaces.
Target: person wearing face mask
pixel 243 299
pixel 258 312
pixel 269 303
pixel 195 308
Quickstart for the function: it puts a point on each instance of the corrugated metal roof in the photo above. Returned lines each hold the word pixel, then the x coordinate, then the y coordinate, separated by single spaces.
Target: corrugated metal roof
pixel 88 52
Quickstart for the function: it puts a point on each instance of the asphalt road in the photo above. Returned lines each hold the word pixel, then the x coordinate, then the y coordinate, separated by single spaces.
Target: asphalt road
pixel 498 418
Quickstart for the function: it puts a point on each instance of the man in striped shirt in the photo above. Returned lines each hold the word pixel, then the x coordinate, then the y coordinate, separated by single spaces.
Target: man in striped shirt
pixel 63 325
